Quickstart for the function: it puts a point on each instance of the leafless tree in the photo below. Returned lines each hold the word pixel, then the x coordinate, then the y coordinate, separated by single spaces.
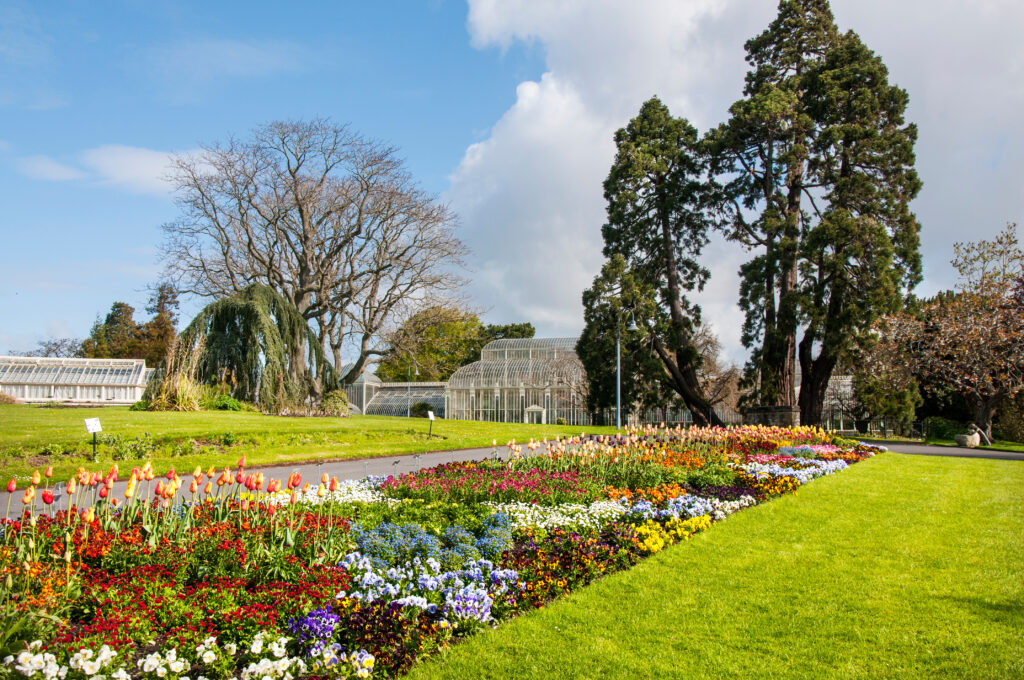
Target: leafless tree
pixel 56 347
pixel 720 381
pixel 329 219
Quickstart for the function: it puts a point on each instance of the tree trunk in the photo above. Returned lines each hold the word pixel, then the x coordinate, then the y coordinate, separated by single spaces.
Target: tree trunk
pixel 814 378
pixel 984 410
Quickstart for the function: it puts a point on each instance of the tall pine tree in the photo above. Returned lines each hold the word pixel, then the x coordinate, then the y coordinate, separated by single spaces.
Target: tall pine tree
pixel 819 162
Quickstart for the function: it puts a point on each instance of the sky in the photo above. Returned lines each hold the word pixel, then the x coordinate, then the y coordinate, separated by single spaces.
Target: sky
pixel 504 109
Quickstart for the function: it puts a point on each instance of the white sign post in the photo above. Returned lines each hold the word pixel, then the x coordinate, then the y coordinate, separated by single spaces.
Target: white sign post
pixel 430 432
pixel 92 426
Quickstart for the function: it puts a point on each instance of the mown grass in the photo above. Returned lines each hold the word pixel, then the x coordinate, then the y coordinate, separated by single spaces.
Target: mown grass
pixel 900 567
pixel 997 445
pixel 32 437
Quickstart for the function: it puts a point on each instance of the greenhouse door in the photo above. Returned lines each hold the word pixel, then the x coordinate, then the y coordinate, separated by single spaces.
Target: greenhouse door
pixel 535 415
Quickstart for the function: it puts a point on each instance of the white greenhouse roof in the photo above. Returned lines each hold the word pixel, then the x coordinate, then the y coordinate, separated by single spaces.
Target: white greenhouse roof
pixel 54 371
pixel 528 348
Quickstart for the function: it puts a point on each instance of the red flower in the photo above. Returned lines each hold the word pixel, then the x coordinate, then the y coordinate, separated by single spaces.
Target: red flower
pixel 12 486
pixel 47 496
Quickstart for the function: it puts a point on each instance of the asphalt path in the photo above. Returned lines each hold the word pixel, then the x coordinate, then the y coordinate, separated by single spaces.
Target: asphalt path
pixel 951 451
pixel 394 465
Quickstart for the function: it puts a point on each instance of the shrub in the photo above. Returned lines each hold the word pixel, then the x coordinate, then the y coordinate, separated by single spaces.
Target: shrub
pixel 560 421
pixel 419 409
pixel 140 405
pixel 8 399
pixel 1010 419
pixel 335 403
pixel 938 427
pixel 226 402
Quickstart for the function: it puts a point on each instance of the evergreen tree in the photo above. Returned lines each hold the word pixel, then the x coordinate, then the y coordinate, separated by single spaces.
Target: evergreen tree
pixel 117 337
pixel 658 224
pixel 820 166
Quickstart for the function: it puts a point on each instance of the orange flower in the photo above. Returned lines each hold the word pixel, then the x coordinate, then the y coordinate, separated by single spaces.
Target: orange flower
pixel 49 471
pixel 29 496
pixel 36 479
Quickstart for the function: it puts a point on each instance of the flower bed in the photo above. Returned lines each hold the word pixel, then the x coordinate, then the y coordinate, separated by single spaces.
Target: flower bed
pixel 255 578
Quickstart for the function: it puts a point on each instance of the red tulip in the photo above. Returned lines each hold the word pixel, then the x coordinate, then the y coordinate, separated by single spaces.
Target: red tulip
pixel 334 484
pixel 49 471
pixel 159 488
pixel 241 462
pixel 103 492
pixel 114 502
pixel 47 496
pixel 12 485
pixel 294 479
pixel 194 486
pixel 170 474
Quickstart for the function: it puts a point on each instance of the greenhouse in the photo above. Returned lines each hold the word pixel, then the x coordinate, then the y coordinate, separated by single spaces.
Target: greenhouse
pixel 80 381
pixel 370 396
pixel 534 380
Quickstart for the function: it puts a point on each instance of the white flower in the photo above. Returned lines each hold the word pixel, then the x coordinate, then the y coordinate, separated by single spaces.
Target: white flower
pixel 231 648
pixel 120 674
pixel 177 666
pixel 208 656
pixel 161 671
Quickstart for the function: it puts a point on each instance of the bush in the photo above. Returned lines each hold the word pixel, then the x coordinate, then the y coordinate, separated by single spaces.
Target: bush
pixel 938 427
pixel 8 399
pixel 335 403
pixel 1010 420
pixel 226 402
pixel 140 405
pixel 419 409
pixel 560 421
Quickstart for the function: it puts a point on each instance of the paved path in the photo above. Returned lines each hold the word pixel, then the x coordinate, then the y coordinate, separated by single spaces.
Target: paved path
pixel 954 451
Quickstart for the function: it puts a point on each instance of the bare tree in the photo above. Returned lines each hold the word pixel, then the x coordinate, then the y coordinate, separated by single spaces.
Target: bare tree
pixel 329 219
pixel 56 347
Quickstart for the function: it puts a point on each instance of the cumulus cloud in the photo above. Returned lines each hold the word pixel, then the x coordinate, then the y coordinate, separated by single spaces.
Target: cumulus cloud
pixel 530 194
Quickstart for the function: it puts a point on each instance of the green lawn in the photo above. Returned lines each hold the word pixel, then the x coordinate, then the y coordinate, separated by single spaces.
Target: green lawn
pixel 900 567
pixel 30 437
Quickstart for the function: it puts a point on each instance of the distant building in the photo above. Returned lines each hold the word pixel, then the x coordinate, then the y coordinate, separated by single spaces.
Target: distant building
pixel 371 396
pixel 534 380
pixel 76 381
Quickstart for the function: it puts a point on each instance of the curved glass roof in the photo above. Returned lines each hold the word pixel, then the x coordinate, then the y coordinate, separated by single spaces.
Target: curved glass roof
pixel 54 371
pixel 528 348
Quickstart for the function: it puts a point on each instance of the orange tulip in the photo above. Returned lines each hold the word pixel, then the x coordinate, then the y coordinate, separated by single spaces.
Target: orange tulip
pixel 334 484
pixel 305 488
pixel 198 472
pixel 194 486
pixel 114 502
pixel 324 478
pixel 211 473
pixel 88 515
pixel 36 479
pixel 29 496
pixel 49 471
pixel 321 491
pixel 294 497
pixel 241 461
pixel 70 488
pixel 159 488
pixel 208 488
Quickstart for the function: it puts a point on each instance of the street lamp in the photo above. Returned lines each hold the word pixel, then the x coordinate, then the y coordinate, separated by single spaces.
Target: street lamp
pixel 408 392
pixel 618 365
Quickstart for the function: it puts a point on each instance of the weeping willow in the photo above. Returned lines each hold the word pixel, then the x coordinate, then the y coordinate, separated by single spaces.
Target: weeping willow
pixel 258 342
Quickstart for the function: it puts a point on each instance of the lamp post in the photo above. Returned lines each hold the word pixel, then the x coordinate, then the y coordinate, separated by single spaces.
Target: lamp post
pixel 408 392
pixel 618 366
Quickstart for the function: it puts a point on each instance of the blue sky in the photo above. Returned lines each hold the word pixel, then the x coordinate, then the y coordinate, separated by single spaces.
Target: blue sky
pixel 504 108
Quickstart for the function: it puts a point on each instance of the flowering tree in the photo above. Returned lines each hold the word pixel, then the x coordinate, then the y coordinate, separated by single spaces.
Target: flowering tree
pixel 973 338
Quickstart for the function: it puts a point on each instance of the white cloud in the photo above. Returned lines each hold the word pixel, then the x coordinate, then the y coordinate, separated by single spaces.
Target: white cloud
pixel 133 168
pixel 45 168
pixel 130 168
pixel 530 193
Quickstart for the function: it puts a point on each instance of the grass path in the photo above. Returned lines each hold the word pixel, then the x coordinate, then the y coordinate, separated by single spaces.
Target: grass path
pixel 901 567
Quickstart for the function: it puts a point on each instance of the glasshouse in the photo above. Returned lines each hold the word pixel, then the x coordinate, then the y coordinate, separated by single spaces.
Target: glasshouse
pixel 82 381
pixel 370 396
pixel 535 380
